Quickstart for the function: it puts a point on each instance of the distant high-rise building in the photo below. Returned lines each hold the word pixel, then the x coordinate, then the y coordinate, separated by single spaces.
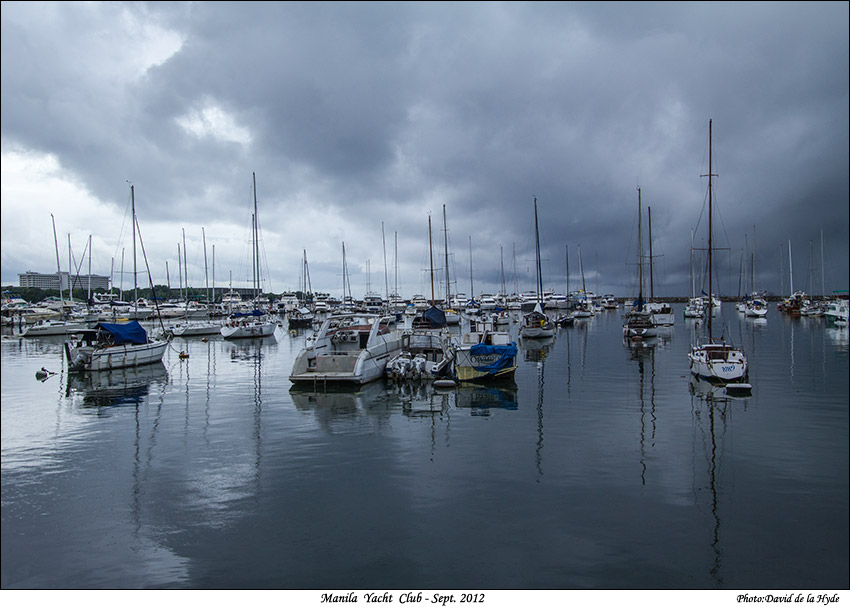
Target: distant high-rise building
pixel 61 280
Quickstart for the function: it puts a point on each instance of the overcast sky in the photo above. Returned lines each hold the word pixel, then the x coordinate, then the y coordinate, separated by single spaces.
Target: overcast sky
pixel 362 120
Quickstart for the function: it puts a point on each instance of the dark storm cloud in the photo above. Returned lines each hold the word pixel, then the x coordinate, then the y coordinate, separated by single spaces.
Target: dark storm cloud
pixel 371 113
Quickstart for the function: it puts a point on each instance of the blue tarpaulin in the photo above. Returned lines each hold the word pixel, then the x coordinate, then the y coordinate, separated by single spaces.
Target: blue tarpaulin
pixel 506 353
pixel 435 317
pixel 131 333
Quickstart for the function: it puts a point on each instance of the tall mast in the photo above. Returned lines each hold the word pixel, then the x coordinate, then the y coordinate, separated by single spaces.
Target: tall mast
pixel 471 288
pixel 180 271
pixel 710 227
pixel 567 255
pixel 502 264
pixel 206 274
pixel 213 274
pixel 693 287
pixel 58 268
pixel 185 269
pixel 446 243
pixel 135 282
pixel 640 257
pixel 256 249
pixel 537 256
pixel 651 275
pixel 89 281
pixel 71 266
pixel 790 267
pixel 431 257
pixel 386 276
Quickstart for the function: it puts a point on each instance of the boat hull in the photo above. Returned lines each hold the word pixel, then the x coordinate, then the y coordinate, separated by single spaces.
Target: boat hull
pixel 248 330
pixel 88 358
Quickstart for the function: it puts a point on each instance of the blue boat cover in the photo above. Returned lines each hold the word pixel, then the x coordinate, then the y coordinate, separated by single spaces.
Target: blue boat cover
pixel 131 333
pixel 254 313
pixel 435 317
pixel 507 354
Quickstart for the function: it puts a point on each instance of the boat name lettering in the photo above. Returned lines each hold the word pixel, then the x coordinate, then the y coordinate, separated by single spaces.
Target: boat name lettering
pixel 486 359
pixel 728 368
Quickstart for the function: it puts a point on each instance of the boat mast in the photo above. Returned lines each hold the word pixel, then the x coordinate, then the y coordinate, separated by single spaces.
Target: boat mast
pixel 693 287
pixel 386 275
pixel 89 282
pixel 58 268
pixel 710 256
pixel 471 288
pixel 255 250
pixel 431 257
pixel 537 252
pixel 206 275
pixel 446 244
pixel 135 282
pixel 567 255
pixel 790 268
pixel 640 257
pixel 651 277
pixel 71 266
pixel 185 272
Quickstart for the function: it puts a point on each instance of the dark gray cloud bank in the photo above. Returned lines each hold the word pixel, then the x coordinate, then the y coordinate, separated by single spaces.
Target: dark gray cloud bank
pixel 356 116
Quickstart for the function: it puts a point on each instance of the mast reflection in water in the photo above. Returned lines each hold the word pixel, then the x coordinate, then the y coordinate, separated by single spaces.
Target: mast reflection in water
pixel 213 472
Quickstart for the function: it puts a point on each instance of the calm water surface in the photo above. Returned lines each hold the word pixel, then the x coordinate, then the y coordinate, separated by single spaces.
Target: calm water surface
pixel 602 466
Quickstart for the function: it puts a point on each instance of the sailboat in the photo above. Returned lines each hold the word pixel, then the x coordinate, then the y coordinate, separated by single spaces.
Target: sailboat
pixel 254 324
pixel 639 323
pixel 207 327
pixel 120 345
pixel 537 324
pixel 716 360
pixel 55 327
pixel 661 312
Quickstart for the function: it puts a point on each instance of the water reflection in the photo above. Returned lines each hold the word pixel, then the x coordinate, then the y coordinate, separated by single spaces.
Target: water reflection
pixel 120 387
pixel 480 399
pixel 717 403
pixel 644 354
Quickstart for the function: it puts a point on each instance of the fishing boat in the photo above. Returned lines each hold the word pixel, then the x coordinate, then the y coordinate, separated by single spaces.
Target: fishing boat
pixel 119 345
pixel 716 360
pixel 347 348
pixel 484 353
pixel 537 324
pixel 255 324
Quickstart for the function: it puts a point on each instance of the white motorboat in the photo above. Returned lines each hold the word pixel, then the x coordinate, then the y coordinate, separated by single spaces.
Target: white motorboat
pixel 347 348
pixel 54 327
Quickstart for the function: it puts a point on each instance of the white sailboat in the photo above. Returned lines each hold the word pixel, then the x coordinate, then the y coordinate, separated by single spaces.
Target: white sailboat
pixel 208 327
pixel 639 323
pixel 714 359
pixel 119 345
pixel 55 327
pixel 254 324
pixel 537 324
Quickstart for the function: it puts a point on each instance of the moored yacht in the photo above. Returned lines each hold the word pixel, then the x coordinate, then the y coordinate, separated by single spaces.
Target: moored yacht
pixel 347 348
